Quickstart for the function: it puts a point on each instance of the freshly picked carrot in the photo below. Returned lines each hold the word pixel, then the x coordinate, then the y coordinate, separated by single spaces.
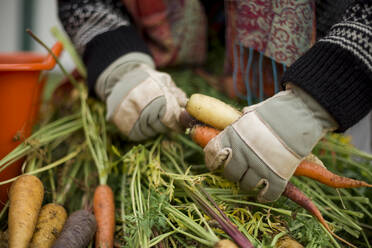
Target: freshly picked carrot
pixel 296 195
pixel 51 220
pixel 202 134
pixel 199 132
pixel 96 140
pixel 25 196
pixel 103 202
pixel 212 111
pixel 78 230
pixel 321 174
pixel 104 210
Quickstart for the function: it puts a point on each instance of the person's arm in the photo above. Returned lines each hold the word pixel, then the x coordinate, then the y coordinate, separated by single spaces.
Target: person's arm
pixel 337 70
pixel 328 88
pixel 121 72
pixel 101 33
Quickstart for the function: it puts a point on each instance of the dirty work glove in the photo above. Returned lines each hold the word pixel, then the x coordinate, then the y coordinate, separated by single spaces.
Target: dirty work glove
pixel 264 146
pixel 141 101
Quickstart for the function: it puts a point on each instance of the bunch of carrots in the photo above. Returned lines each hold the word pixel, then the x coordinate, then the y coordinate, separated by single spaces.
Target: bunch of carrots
pixel 212 115
pixel 32 225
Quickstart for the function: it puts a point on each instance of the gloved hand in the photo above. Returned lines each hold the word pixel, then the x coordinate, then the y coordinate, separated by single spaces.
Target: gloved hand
pixel 266 144
pixel 141 101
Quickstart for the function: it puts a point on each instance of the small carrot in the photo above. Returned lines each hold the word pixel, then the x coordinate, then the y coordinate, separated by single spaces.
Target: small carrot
pixel 104 211
pixel 296 195
pixel 212 111
pixel 51 219
pixel 78 230
pixel 25 197
pixel 202 134
pixel 321 174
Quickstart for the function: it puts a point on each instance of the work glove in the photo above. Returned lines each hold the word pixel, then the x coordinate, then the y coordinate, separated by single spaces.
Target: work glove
pixel 263 148
pixel 141 101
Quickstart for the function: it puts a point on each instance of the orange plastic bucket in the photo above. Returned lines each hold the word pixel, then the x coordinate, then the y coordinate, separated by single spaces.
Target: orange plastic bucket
pixel 21 85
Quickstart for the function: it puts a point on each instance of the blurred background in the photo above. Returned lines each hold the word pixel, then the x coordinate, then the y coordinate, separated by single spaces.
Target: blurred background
pixel 39 16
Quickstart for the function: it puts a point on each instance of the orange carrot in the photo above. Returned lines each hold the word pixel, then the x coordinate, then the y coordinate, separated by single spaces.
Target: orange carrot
pixel 296 195
pixel 202 134
pixel 321 174
pixel 104 211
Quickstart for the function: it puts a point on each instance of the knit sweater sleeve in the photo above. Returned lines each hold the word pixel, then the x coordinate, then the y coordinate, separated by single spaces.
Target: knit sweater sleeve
pixel 101 32
pixel 337 70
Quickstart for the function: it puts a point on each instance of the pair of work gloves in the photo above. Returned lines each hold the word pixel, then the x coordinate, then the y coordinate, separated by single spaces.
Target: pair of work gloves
pixel 261 149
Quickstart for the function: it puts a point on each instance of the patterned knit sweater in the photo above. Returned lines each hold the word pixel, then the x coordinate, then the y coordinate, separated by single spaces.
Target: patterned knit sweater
pixel 336 71
pixel 101 31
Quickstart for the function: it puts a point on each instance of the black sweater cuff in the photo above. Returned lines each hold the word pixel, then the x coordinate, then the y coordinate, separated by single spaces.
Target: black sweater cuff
pixel 336 79
pixel 105 48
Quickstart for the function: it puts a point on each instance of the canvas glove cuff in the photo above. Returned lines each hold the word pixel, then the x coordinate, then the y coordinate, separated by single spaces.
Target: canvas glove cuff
pixel 141 101
pixel 264 147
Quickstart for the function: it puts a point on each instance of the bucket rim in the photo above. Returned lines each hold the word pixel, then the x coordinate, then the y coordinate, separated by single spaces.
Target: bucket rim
pixel 47 63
